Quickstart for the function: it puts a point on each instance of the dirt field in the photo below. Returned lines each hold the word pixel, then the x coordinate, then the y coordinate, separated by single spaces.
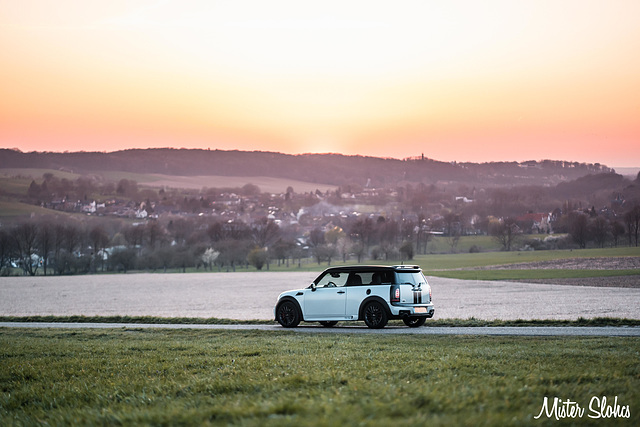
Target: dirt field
pixel 609 263
pixel 244 295
pixel 266 184
pixel 600 282
pixel 603 263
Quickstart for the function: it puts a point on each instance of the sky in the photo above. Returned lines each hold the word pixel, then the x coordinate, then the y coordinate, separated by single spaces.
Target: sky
pixel 454 80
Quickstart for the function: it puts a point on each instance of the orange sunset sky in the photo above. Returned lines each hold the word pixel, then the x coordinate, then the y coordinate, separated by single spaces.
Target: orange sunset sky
pixel 456 80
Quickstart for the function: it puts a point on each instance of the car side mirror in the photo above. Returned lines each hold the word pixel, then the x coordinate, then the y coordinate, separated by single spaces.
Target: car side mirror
pixel 313 287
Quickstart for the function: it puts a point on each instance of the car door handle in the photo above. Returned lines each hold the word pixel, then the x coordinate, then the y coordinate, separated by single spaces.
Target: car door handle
pixel 341 292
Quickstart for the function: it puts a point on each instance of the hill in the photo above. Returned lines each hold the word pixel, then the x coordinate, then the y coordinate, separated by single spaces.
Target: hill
pixel 328 169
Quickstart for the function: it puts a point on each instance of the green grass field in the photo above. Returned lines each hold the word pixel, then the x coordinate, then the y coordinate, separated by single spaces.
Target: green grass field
pixel 470 322
pixel 18 209
pixel 450 265
pixel 442 245
pixel 169 377
pixel 36 173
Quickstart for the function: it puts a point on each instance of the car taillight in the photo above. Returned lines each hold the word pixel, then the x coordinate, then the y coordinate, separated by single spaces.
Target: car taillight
pixel 429 293
pixel 395 294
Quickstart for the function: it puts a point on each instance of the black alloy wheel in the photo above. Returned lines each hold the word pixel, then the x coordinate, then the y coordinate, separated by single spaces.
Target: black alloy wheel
pixel 375 315
pixel 288 315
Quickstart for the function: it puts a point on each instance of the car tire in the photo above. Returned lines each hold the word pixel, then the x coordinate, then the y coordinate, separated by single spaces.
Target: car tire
pixel 288 314
pixel 375 315
pixel 329 324
pixel 414 322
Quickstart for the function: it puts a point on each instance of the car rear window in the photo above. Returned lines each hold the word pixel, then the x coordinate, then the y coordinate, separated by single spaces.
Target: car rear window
pixel 412 278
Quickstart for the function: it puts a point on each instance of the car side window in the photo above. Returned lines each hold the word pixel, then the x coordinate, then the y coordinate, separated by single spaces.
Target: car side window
pixel 332 280
pixel 355 279
pixel 370 278
pixel 387 277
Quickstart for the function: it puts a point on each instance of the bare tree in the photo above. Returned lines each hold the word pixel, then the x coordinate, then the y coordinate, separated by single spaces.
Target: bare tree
pixel 183 258
pixel 316 237
pixel 134 234
pixel 265 231
pixel 233 252
pixel 99 240
pixel 215 232
pixel 236 230
pixel 72 239
pixel 6 249
pixel 324 252
pixel 505 232
pixel 362 231
pixel 359 249
pixel 180 229
pixel 46 237
pixel 453 238
pixel 579 228
pixel 58 241
pixel 153 234
pixel 123 260
pixel 617 230
pixel 388 231
pixel 600 230
pixel 25 238
pixel 342 246
pixel 407 250
pixel 632 220
pixel 423 234
pixel 283 249
pixel 67 238
pixel 452 224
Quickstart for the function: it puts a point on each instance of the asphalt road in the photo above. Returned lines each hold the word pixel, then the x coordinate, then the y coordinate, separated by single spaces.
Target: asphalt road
pixel 600 331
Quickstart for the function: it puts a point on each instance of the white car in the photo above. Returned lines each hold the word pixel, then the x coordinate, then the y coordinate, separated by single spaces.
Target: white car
pixel 374 294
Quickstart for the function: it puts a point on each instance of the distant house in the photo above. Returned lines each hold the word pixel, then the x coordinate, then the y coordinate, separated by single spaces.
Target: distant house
pixel 90 208
pixel 535 223
pixel 463 199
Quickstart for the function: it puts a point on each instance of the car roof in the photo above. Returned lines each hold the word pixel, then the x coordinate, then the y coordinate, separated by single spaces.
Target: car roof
pixel 361 268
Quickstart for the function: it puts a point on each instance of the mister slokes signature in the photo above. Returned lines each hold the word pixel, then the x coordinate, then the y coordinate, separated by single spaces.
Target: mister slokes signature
pixel 599 407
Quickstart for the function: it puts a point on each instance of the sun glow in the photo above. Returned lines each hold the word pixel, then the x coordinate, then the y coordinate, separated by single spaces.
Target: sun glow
pixel 350 76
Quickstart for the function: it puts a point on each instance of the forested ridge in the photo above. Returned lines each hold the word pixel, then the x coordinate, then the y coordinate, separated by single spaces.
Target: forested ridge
pixel 334 169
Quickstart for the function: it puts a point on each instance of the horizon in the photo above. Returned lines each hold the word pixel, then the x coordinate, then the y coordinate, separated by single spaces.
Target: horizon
pixel 628 169
pixel 492 82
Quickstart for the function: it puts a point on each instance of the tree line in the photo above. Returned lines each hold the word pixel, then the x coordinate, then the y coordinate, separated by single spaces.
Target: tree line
pixel 56 246
pixel 579 229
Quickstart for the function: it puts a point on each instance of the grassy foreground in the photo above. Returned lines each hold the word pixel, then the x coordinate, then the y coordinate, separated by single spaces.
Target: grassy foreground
pixel 469 322
pixel 194 377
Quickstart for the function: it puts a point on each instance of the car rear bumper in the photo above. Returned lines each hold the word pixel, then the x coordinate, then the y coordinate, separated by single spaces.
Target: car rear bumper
pixel 423 310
